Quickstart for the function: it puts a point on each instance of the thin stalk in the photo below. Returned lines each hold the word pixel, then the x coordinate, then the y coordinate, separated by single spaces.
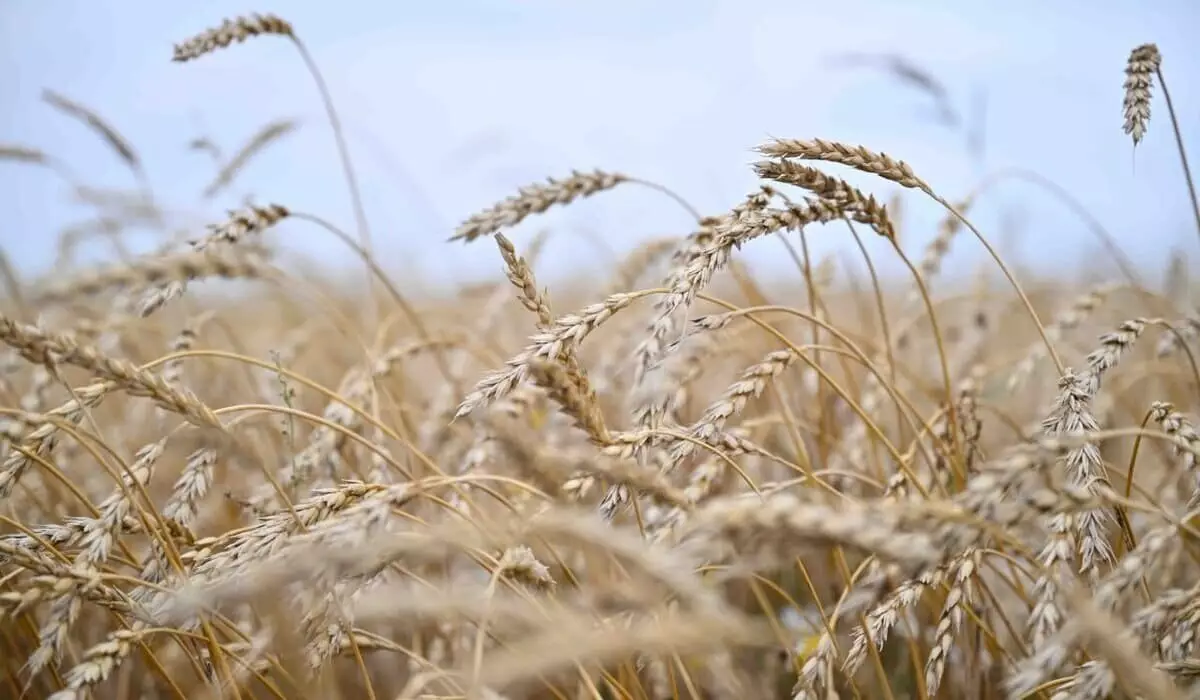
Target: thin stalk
pixel 1187 172
pixel 360 215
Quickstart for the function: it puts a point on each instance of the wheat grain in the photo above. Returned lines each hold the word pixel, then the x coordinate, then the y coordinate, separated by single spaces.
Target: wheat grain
pixel 229 32
pixel 536 199
pixel 1139 79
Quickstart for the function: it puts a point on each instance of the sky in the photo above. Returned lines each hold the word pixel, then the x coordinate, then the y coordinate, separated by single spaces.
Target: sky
pixel 450 106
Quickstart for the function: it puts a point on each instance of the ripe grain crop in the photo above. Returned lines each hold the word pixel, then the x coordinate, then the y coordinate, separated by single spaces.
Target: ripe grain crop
pixel 672 480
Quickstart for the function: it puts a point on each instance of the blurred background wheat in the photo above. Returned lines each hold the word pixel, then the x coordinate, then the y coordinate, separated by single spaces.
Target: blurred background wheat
pixel 524 350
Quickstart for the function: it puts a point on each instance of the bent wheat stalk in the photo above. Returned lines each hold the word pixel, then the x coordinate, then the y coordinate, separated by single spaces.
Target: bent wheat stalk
pixel 242 28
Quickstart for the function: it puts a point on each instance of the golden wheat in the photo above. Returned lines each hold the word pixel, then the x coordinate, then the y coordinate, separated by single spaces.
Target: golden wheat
pixel 706 486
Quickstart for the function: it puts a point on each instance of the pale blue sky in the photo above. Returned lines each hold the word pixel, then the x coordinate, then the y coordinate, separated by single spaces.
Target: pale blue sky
pixel 451 105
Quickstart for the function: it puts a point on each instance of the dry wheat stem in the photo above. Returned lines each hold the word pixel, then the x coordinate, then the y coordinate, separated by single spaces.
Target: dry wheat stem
pixel 242 28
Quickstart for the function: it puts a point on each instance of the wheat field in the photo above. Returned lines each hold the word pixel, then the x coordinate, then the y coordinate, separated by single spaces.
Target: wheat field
pixel 672 480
